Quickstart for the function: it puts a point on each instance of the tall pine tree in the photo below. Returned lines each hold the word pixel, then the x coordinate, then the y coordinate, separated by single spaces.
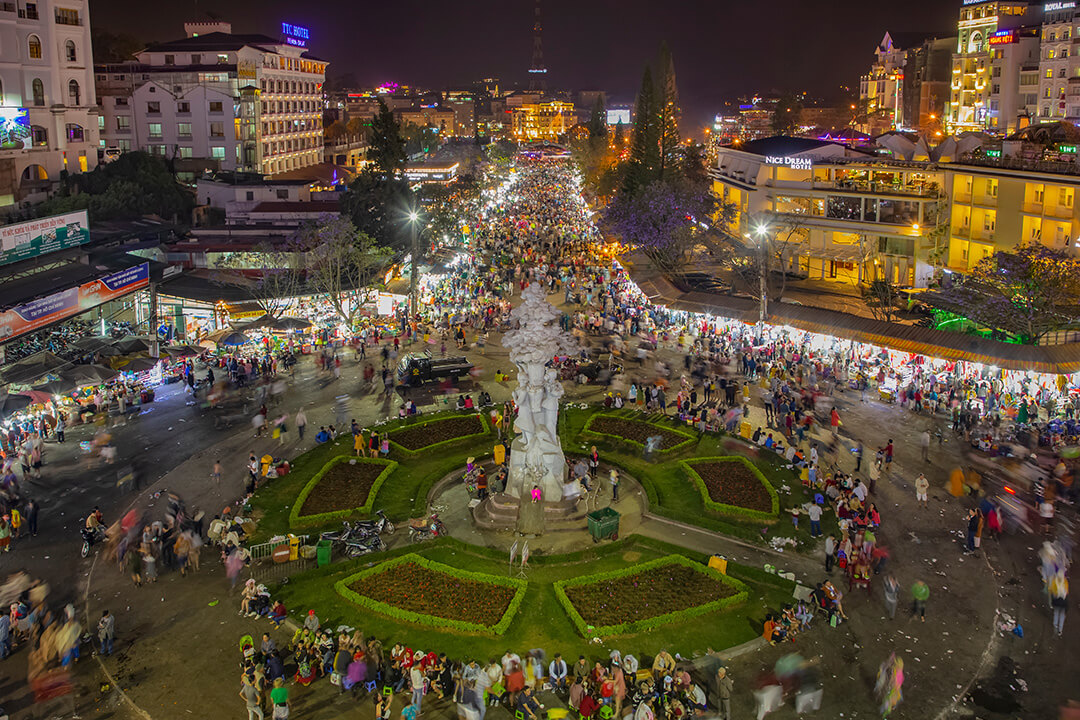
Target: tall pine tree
pixel 667 109
pixel 644 162
pixel 387 151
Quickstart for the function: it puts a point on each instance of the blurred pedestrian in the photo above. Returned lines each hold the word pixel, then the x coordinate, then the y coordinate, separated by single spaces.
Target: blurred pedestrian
pixel 920 593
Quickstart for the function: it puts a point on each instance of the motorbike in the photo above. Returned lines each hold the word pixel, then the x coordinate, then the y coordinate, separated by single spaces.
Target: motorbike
pixel 378 525
pixel 356 548
pixel 421 529
pixel 90 537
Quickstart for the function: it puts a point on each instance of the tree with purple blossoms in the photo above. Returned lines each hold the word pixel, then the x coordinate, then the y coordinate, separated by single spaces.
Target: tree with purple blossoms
pixel 1027 292
pixel 661 220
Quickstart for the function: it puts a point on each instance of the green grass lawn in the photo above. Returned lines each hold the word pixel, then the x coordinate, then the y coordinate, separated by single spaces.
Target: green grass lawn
pixel 541 621
pixel 671 492
pixel 403 494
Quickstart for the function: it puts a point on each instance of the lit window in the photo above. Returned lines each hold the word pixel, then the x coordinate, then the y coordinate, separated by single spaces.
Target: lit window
pixel 183 129
pixel 218 153
pixel 34 46
pixel 155 130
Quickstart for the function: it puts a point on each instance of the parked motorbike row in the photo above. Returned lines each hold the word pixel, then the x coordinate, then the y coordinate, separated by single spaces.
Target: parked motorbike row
pixel 365 536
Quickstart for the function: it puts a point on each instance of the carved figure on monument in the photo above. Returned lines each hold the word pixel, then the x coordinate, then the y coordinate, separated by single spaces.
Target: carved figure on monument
pixel 537 457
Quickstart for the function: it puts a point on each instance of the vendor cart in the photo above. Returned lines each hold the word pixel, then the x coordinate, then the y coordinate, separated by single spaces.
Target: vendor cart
pixel 603 523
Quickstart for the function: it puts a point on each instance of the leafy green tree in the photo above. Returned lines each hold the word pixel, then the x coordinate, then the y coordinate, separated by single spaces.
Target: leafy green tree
pixel 786 115
pixel 133 185
pixel 112 47
pixel 598 120
pixel 376 204
pixel 387 151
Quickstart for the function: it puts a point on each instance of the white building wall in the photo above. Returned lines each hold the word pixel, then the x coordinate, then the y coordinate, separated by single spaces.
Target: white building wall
pixel 54 49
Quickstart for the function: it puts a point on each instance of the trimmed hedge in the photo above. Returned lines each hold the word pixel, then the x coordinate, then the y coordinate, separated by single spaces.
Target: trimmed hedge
pixel 690 439
pixel 735 510
pixel 298 520
pixel 396 613
pixel 654 622
pixel 433 420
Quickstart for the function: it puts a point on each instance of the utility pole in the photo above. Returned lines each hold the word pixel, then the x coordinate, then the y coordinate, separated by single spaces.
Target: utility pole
pixel 761 283
pixel 414 270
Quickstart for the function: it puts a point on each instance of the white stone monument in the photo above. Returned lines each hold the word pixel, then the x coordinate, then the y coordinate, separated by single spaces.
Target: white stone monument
pixel 536 458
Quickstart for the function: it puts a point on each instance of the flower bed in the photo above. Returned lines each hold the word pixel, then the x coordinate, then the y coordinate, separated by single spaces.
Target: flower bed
pixel 437 431
pixel 733 486
pixel 646 596
pixel 415 589
pixel 635 431
pixel 344 486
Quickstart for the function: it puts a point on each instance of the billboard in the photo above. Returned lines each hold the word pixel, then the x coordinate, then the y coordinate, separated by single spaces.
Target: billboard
pixel 67 303
pixel 619 115
pixel 42 236
pixel 14 128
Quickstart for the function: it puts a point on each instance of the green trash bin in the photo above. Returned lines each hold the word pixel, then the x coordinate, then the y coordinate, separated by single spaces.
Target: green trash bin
pixel 322 552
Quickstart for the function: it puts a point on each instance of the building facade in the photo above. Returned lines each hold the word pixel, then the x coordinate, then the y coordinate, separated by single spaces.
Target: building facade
pixel 49 107
pixel 843 215
pixel 969 100
pixel 542 120
pixel 218 101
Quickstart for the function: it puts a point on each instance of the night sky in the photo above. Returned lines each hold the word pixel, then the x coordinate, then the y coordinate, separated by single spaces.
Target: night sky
pixel 721 49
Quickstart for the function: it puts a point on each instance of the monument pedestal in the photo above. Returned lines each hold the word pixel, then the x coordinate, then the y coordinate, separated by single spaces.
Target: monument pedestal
pixel 506 512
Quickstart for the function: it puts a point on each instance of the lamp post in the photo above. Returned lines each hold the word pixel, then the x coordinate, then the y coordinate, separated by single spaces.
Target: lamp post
pixel 761 231
pixel 414 279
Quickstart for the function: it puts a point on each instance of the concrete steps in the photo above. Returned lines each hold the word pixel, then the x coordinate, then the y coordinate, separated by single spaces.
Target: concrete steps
pixel 500 511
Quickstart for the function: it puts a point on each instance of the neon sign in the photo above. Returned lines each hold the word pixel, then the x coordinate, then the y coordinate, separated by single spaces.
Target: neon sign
pixel 1003 37
pixel 295 34
pixel 795 163
pixel 1051 7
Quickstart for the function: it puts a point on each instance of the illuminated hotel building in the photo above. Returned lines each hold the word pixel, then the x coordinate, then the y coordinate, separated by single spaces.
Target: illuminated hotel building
pixel 843 215
pixel 968 108
pixel 543 120
pixel 881 91
pixel 48 110
pixel 218 101
pixel 1059 67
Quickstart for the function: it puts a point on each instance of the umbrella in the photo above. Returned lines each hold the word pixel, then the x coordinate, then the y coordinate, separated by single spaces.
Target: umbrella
pixel 264 321
pixel 291 323
pixel 11 403
pixel 31 368
pixel 131 344
pixel 56 387
pixel 234 338
pixel 89 374
pixel 139 364
pixel 37 396
pixel 179 351
pixel 92 343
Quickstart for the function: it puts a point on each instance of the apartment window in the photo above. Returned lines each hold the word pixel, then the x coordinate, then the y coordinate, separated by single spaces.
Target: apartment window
pixel 75 133
pixel 217 129
pixel 101 123
pixel 183 107
pixel 1038 193
pixel 170 59
pixel 989 221
pixel 74 93
pixel 1065 197
pixel 123 122
pixel 1049 72
pixel 1046 93
pixel 185 152
pixel 155 130
pixel 123 145
pixel 69 51
pixel 995 90
pixel 37 88
pixel 121 102
pixel 196 59
pixel 31 11
pixel 66 16
pixel 992 188
pixel 39 136
pixel 282 194
pixel 183 129
pixel 33 43
pixel 1061 72
pixel 223 59
pixel 217 152
pixel 216 106
pixel 250 195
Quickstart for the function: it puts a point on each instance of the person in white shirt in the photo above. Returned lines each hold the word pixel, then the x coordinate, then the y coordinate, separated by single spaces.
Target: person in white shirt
pixel 557 673
pixel 814 513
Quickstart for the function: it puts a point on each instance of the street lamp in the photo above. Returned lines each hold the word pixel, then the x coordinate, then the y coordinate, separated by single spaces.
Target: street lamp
pixel 414 280
pixel 762 231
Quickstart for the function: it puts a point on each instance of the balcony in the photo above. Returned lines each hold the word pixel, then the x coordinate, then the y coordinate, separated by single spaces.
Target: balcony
pixel 73 20
pixel 1032 208
pixel 1060 211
